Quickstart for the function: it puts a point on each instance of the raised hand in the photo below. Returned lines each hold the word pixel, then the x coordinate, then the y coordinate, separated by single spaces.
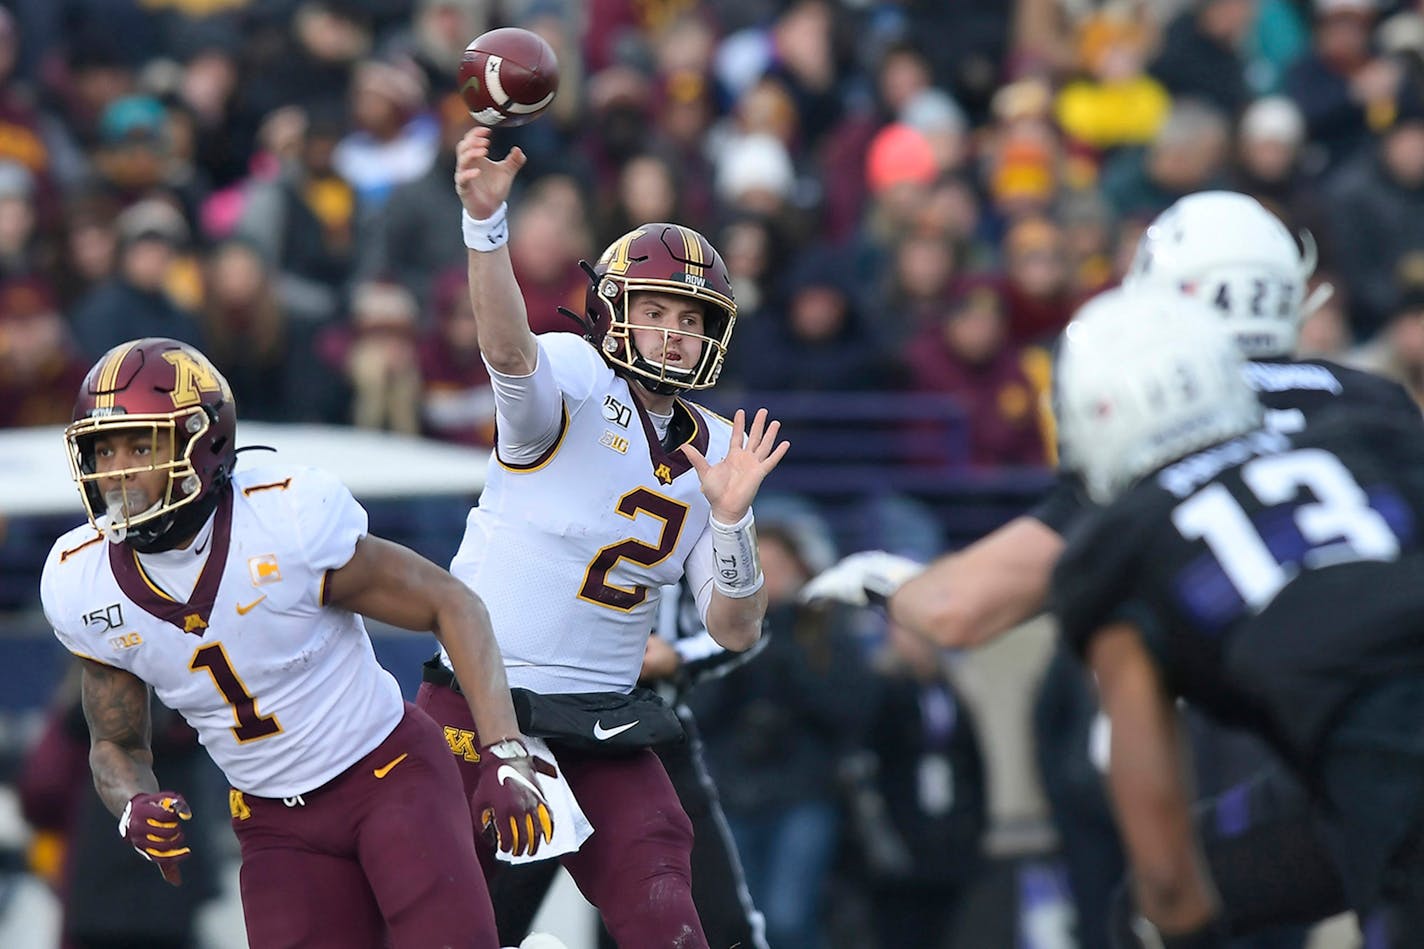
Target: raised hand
pixel 732 483
pixel 481 182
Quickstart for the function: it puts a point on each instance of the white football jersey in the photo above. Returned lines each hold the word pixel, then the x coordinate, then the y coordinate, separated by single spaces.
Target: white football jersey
pixel 569 551
pixel 284 692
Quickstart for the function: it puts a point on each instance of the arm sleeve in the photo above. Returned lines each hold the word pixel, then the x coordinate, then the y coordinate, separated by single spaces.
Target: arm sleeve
pixel 1094 578
pixel 698 572
pixel 529 410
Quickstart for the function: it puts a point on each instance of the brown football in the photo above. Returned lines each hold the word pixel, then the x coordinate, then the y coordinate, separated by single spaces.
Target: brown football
pixel 508 77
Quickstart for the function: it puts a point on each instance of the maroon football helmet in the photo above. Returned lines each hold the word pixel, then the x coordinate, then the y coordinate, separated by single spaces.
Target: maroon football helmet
pixel 664 258
pixel 171 392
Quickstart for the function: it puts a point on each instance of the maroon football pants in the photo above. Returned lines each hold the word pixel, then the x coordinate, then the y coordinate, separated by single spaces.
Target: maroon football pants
pixel 637 866
pixel 379 856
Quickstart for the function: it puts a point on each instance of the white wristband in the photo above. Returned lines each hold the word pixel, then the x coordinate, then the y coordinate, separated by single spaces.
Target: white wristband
pixel 737 571
pixel 488 234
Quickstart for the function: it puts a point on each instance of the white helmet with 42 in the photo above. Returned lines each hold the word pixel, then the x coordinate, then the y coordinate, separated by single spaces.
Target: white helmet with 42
pixel 1227 250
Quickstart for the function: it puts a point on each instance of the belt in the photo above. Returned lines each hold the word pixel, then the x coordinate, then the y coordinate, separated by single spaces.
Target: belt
pixel 434 672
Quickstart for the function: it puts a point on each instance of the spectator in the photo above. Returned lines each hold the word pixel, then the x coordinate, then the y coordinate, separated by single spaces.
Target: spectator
pixel 245 330
pixel 548 237
pixel 1115 102
pixel 21 253
pixel 89 247
pixel 135 156
pixel 1376 212
pixel 924 267
pixel 928 776
pixel 821 341
pixel 408 239
pixel 1088 233
pixel 310 62
pixel 457 403
pixel 303 220
pixel 755 252
pixel 755 175
pixel 1038 297
pixel 648 190
pixel 899 170
pixel 1325 334
pixel 1343 89
pixel 1189 154
pixel 40 369
pixel 382 363
pixel 134 302
pixel 437 36
pixel 1397 351
pixel 775 730
pixel 1199 57
pixel 1269 141
pixel 395 140
pixel 966 353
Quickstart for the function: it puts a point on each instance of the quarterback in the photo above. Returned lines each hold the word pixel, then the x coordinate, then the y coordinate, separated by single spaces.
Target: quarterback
pixel 605 485
pixel 238 597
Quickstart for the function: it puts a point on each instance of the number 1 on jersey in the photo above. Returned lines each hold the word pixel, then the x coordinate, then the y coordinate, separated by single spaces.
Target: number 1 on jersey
pixel 251 725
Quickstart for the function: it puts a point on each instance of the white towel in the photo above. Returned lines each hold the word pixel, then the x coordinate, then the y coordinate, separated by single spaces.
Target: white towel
pixel 571 827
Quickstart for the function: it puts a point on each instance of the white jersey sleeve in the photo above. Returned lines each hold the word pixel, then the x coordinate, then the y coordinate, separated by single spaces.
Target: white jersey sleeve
pixel 55 594
pixel 330 528
pixel 530 413
pixel 700 568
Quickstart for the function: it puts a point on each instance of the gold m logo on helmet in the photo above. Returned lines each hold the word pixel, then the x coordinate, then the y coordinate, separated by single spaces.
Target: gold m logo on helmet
pixel 617 254
pixel 193 377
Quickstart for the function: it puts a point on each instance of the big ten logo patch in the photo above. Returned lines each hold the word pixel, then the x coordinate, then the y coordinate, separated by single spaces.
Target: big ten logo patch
pixel 126 641
pixel 462 743
pixel 263 569
pixel 617 442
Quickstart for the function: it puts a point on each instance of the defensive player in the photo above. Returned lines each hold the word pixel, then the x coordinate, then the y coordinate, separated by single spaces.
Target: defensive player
pixel 1271 580
pixel 238 596
pixel 605 485
pixel 1227 250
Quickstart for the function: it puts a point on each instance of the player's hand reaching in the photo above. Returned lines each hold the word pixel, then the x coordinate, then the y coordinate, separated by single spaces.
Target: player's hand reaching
pixel 508 804
pixel 871 576
pixel 732 483
pixel 152 824
pixel 481 182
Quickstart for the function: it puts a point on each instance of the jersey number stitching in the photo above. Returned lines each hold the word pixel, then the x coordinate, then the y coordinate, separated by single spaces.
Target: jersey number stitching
pixel 1339 525
pixel 596 586
pixel 251 724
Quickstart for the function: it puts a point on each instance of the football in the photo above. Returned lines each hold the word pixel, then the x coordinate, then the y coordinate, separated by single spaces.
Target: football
pixel 508 77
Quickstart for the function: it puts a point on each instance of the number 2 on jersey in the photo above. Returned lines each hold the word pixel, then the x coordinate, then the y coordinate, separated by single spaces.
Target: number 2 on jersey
pixel 1338 527
pixel 596 586
pixel 251 725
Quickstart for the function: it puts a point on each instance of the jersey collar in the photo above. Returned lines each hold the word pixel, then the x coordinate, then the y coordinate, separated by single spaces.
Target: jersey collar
pixel 192 616
pixel 688 426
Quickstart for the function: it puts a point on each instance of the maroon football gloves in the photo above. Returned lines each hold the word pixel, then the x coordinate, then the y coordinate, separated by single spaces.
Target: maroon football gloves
pixel 509 808
pixel 152 824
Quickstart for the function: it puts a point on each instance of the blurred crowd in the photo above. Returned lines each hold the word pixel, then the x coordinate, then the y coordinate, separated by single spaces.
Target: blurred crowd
pixel 911 195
